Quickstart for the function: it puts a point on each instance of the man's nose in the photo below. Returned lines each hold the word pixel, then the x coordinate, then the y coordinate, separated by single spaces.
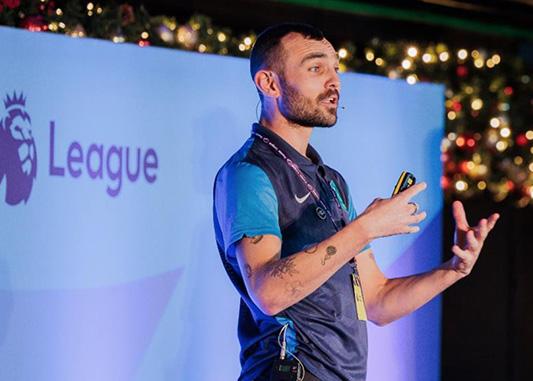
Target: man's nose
pixel 334 80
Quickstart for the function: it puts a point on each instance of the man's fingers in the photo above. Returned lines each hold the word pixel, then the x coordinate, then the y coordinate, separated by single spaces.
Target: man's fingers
pixel 459 215
pixel 413 229
pixel 482 230
pixel 471 240
pixel 412 191
pixel 413 220
pixel 421 216
pixel 413 205
pixel 466 260
pixel 463 254
pixel 416 218
pixel 492 221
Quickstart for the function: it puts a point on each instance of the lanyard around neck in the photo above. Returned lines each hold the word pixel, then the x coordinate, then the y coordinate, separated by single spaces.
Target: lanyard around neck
pixel 310 187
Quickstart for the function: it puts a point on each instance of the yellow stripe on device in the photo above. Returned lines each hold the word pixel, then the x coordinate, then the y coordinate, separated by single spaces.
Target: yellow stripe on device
pixel 405 181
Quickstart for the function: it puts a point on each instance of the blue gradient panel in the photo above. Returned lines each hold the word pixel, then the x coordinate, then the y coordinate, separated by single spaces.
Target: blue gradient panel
pixel 108 263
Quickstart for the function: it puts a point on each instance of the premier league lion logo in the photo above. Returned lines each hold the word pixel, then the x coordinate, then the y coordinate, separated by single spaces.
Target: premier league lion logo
pixel 18 157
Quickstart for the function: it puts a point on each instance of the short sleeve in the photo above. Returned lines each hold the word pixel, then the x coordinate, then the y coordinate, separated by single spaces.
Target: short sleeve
pixel 245 203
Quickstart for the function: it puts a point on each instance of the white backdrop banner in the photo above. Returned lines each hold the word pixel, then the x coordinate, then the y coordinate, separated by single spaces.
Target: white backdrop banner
pixel 108 263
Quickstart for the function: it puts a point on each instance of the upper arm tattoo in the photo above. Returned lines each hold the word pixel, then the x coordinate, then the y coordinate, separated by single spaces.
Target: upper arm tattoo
pixel 255 240
pixel 248 270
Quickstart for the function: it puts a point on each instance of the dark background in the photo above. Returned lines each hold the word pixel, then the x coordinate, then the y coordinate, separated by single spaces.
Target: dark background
pixel 487 331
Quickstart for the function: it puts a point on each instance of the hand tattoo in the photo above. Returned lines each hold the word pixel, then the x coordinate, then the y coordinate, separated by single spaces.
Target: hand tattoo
pixel 330 251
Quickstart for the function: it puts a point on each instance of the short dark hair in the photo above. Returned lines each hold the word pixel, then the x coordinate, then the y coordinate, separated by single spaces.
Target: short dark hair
pixel 267 48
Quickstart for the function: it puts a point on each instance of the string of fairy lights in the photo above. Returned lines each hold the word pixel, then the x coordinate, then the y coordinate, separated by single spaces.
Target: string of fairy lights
pixel 488 145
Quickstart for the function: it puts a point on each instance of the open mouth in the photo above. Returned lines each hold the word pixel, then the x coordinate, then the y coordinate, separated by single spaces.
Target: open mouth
pixel 331 99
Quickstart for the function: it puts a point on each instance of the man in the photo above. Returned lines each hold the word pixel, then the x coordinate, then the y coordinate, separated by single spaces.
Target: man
pixel 290 238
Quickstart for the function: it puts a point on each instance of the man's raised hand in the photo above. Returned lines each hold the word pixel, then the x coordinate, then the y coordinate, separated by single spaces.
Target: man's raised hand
pixel 468 240
pixel 391 216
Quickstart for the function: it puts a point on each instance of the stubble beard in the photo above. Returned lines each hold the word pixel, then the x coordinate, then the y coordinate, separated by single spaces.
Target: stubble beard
pixel 300 110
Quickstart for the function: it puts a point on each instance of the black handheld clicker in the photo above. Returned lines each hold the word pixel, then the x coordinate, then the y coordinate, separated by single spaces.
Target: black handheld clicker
pixel 285 370
pixel 405 181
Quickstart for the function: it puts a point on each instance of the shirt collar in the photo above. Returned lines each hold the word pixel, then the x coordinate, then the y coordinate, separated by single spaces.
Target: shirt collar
pixel 311 162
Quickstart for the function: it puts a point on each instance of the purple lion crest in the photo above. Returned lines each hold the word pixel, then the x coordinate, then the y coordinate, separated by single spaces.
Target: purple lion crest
pixel 18 157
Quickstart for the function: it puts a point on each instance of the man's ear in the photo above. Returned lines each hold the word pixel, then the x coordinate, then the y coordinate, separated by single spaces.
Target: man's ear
pixel 267 83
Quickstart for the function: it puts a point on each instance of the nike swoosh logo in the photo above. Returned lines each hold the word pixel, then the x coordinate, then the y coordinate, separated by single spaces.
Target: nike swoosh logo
pixel 301 200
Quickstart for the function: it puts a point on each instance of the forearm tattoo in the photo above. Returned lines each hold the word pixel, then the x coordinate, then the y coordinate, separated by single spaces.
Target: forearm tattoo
pixel 294 288
pixel 311 249
pixel 330 251
pixel 279 268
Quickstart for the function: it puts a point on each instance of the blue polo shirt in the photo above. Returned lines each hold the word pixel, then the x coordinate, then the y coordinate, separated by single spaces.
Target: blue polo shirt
pixel 257 193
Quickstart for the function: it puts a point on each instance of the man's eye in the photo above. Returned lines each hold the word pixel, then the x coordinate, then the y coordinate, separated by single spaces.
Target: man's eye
pixel 337 69
pixel 314 68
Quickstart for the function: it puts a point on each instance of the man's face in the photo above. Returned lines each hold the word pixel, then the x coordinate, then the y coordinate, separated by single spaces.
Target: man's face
pixel 310 86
